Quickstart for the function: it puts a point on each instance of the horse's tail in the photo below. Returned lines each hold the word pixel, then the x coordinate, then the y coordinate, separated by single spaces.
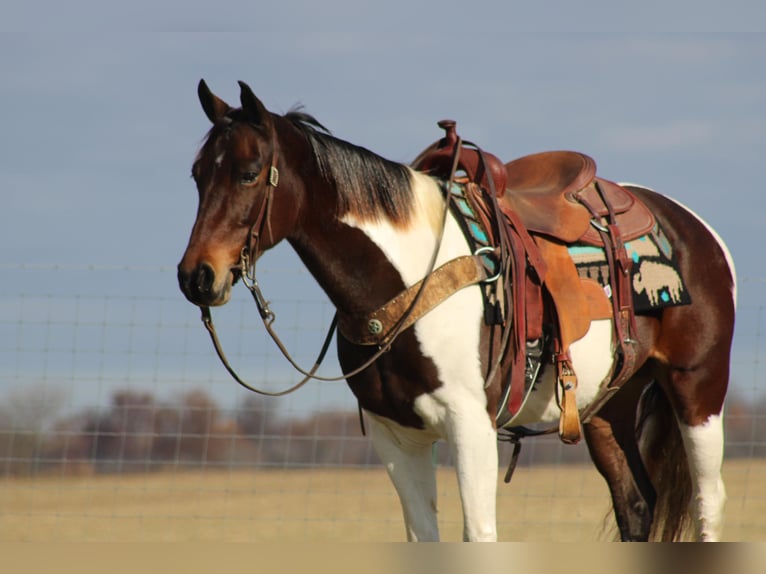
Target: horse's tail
pixel 665 458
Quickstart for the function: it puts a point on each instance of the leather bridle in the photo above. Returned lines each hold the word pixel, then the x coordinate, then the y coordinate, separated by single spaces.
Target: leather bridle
pixel 248 257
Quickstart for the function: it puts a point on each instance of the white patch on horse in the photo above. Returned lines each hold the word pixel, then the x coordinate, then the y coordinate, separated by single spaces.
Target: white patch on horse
pixel 219 158
pixel 704 449
pixel 406 454
pixel 449 335
pixel 592 358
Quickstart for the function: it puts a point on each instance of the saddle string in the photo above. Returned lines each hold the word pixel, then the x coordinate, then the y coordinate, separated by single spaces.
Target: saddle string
pixel 506 262
pixel 513 253
pixel 517 249
pixel 249 255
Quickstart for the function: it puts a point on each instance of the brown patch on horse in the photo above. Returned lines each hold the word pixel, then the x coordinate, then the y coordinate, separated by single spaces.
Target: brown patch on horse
pixel 691 348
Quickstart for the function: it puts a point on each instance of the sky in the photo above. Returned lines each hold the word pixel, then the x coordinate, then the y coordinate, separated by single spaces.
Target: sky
pixel 100 126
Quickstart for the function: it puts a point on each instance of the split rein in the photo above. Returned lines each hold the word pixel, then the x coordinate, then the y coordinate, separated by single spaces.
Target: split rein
pixel 250 253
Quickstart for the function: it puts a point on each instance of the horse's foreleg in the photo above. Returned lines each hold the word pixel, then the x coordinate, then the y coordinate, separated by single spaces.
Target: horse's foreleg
pixel 409 463
pixel 473 443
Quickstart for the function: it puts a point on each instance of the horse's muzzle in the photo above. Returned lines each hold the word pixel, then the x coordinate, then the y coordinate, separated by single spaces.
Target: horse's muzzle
pixel 201 288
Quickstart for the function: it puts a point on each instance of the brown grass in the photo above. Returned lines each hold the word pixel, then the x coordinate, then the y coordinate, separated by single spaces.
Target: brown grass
pixel 563 503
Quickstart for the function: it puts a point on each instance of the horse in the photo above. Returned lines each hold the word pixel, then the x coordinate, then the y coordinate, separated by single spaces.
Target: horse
pixel 368 229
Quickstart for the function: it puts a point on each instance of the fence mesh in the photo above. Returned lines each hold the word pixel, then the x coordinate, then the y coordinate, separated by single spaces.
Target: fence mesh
pixel 118 423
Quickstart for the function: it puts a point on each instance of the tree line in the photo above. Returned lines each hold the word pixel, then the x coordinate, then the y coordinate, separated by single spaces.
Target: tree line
pixel 136 432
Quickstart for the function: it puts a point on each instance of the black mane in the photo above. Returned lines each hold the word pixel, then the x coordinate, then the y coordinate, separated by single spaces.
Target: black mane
pixel 368 185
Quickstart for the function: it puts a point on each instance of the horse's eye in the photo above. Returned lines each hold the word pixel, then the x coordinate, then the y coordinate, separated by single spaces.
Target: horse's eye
pixel 248 178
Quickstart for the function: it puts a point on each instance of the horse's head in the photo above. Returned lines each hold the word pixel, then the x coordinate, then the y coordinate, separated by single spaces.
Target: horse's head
pixel 235 172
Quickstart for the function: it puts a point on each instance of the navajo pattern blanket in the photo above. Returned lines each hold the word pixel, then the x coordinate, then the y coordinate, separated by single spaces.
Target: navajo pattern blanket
pixel 655 279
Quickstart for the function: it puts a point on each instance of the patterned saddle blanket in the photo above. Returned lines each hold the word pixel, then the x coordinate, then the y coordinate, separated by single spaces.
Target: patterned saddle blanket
pixel 655 279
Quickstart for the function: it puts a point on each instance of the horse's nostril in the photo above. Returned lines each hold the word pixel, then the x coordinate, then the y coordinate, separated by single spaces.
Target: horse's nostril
pixel 184 279
pixel 205 276
pixel 198 284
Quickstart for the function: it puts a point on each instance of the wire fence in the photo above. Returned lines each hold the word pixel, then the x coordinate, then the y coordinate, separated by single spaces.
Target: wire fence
pixel 118 423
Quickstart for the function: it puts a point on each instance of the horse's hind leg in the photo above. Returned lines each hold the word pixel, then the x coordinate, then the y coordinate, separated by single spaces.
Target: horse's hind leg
pixel 409 463
pixel 701 427
pixel 704 448
pixel 692 354
pixel 692 367
pixel 610 436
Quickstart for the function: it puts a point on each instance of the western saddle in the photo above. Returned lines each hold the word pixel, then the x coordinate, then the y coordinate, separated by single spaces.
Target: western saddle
pixel 545 202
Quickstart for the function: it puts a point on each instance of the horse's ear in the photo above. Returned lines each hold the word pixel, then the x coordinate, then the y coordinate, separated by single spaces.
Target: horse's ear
pixel 215 108
pixel 252 106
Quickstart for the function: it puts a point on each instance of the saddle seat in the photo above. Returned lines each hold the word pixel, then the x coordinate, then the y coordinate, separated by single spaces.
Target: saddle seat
pixel 541 189
pixel 550 191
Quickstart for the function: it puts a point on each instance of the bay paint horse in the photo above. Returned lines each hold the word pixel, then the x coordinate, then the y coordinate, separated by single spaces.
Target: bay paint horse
pixel 368 229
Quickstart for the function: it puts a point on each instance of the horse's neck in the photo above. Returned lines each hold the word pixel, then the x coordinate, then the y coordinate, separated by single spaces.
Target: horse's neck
pixel 410 247
pixel 350 269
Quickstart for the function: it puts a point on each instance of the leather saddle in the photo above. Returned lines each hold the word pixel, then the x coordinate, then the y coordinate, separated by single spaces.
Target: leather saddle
pixel 557 199
pixel 548 191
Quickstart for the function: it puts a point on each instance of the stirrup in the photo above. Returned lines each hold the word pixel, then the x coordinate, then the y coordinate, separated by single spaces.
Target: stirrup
pixel 569 423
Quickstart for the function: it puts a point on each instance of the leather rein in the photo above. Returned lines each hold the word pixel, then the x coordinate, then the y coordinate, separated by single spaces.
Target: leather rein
pixel 248 257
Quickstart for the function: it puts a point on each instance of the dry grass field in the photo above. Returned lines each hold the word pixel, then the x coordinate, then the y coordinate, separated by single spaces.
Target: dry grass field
pixel 563 503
